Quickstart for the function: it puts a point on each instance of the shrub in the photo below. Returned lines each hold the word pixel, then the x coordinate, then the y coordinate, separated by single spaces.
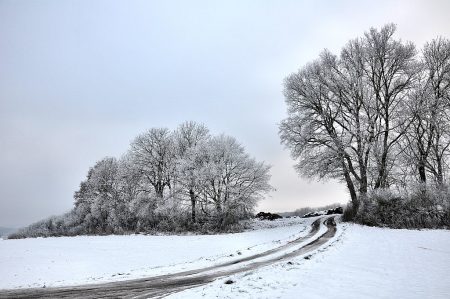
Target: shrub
pixel 422 208
pixel 349 213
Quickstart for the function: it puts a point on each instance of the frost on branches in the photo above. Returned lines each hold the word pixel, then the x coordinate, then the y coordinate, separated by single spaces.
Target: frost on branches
pixel 376 117
pixel 178 180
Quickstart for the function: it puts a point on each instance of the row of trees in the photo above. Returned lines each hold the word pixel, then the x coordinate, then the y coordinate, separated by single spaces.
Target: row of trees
pixel 168 180
pixel 376 117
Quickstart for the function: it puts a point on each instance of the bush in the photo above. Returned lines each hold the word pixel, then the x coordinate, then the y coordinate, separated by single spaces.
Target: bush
pixel 267 216
pixel 306 210
pixel 423 208
pixel 349 213
pixel 337 210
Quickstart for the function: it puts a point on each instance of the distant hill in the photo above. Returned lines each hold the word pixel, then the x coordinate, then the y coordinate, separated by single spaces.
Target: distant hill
pixel 6 230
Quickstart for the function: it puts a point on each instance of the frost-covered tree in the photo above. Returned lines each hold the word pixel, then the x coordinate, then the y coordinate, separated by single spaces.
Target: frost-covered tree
pixel 419 135
pixel 436 56
pixel 392 70
pixel 346 114
pixel 153 154
pixel 147 188
pixel 312 130
pixel 98 199
pixel 190 139
pixel 428 137
pixel 234 181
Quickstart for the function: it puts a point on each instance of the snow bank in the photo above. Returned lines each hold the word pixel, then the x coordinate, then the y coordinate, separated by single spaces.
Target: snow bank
pixel 255 224
pixel 93 259
pixel 360 262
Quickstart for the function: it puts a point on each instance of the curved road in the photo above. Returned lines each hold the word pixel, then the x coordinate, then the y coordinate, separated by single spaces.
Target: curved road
pixel 164 285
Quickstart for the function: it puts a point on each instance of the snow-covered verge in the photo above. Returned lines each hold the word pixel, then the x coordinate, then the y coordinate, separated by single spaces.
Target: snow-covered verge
pixel 255 224
pixel 92 259
pixel 359 262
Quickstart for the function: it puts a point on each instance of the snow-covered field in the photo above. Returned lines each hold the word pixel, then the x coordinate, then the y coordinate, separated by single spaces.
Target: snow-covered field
pixel 93 259
pixel 360 262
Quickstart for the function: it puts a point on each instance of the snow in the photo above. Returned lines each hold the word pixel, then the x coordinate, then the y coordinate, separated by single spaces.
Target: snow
pixel 359 262
pixel 93 259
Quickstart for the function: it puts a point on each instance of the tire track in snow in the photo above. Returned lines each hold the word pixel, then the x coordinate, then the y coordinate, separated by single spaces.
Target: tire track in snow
pixel 164 285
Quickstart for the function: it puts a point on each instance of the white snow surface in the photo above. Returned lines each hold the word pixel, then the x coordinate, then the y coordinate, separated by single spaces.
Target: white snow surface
pixel 65 261
pixel 359 262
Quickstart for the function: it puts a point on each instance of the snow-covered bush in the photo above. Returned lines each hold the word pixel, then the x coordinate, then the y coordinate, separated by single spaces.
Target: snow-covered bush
pixel 422 208
pixel 65 224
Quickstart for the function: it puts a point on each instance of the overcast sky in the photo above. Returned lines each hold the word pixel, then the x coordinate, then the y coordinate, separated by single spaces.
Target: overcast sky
pixel 80 79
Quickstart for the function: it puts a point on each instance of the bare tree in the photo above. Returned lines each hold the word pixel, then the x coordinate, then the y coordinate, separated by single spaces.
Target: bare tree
pixel 234 181
pixel 98 198
pixel 345 115
pixel 436 56
pixel 153 154
pixel 392 70
pixel 428 137
pixel 313 130
pixel 190 138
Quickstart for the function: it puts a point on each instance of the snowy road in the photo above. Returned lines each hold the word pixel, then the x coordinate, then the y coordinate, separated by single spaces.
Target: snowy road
pixel 160 286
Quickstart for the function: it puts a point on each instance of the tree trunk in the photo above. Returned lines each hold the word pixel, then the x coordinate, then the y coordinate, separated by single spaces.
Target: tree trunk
pixel 422 172
pixel 159 189
pixel 193 202
pixel 381 179
pixel 219 213
pixel 351 187
pixel 363 182
pixel 440 176
pixel 218 207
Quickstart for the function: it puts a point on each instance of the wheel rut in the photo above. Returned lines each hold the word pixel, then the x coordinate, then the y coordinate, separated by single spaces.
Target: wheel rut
pixel 164 285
